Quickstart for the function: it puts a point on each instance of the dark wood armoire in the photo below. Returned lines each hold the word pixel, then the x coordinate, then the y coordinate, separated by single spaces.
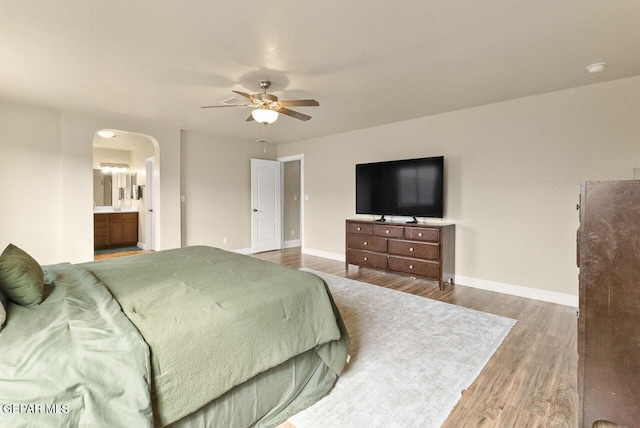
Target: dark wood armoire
pixel 609 317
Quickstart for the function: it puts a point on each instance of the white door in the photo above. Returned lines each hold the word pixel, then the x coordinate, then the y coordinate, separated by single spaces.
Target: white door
pixel 151 223
pixel 266 207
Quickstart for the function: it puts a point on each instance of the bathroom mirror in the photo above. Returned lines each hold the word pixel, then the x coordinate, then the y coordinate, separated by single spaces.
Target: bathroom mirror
pixel 102 188
pixel 132 185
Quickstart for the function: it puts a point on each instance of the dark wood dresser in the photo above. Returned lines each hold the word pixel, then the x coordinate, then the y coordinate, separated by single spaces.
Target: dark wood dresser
pixel 609 317
pixel 420 250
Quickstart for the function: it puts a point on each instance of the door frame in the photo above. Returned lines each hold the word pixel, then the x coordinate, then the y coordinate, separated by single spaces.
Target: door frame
pixel 150 205
pixel 301 199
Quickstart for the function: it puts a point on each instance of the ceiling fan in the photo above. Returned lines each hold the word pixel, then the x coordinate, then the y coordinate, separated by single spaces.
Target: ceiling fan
pixel 267 106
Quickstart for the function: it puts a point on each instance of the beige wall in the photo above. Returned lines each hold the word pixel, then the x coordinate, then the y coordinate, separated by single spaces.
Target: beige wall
pixel 48 153
pixel 216 183
pixel 30 180
pixel 291 196
pixel 513 173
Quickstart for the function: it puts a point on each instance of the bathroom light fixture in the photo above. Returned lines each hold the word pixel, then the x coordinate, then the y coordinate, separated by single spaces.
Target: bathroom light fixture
pixel 264 115
pixel 598 67
pixel 105 133
pixel 114 168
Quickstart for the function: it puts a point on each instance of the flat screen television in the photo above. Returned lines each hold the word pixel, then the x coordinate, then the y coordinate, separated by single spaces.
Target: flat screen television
pixel 409 187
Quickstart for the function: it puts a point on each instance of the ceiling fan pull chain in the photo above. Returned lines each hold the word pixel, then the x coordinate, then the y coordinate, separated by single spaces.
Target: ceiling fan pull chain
pixel 264 142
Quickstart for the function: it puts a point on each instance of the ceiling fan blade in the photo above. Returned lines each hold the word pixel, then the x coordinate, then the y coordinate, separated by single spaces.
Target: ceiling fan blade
pixel 300 103
pixel 292 113
pixel 255 101
pixel 247 96
pixel 220 106
pixel 250 118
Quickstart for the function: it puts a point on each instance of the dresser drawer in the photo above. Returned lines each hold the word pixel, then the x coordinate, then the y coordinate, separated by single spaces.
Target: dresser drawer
pixel 367 259
pixel 101 220
pixel 418 250
pixel 370 243
pixel 422 250
pixel 388 231
pixel 422 234
pixel 100 229
pixel 414 267
pixel 360 228
pixel 126 216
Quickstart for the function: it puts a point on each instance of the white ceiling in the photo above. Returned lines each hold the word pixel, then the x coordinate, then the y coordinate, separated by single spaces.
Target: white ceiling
pixel 367 62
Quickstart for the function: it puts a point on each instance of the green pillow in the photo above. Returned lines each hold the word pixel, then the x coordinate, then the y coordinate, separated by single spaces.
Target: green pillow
pixel 21 277
pixel 3 311
pixel 3 315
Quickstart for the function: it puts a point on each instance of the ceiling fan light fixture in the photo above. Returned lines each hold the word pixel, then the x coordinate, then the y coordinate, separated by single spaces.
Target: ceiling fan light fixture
pixel 597 67
pixel 267 106
pixel 264 115
pixel 106 133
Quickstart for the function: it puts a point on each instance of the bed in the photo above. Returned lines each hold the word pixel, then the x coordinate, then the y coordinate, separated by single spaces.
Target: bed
pixel 190 337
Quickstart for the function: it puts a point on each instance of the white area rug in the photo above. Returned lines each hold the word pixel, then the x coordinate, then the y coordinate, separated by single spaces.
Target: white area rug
pixel 411 357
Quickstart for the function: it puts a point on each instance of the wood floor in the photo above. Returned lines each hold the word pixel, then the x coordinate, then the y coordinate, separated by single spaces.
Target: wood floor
pixel 531 381
pixel 118 254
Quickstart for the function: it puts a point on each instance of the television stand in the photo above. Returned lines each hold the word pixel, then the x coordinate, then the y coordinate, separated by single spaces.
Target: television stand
pixel 418 250
pixel 382 218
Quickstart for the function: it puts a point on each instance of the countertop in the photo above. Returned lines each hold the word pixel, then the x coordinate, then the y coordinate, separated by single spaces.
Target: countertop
pixel 106 210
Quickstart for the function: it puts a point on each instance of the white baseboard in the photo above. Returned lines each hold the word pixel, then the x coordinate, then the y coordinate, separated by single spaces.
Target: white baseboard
pixel 287 244
pixel 244 251
pixel 141 246
pixel 324 254
pixel 498 287
pixel 518 290
pixel 292 243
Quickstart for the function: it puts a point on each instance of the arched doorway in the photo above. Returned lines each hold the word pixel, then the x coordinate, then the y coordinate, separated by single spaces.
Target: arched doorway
pixel 126 179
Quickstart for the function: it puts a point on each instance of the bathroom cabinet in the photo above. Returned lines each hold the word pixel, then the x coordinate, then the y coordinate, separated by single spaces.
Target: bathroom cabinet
pixel 113 230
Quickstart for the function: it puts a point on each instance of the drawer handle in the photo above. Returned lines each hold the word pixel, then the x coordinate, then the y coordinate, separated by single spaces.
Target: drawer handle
pixel 359 229
pixel 410 266
pixel 366 258
pixel 419 233
pixel 387 231
pixel 365 242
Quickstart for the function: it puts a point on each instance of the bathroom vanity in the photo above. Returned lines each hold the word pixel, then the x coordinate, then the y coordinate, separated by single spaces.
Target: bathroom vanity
pixel 114 228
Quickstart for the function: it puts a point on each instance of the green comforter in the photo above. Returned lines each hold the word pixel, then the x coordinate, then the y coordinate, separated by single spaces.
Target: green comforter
pixel 214 319
pixel 74 360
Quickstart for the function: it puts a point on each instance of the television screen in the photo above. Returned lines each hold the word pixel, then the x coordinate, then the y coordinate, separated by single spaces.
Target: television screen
pixel 410 187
